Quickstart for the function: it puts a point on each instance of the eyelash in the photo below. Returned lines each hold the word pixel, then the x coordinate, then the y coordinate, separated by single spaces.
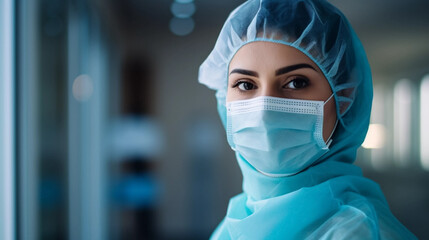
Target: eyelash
pixel 290 81
pixel 239 82
pixel 294 80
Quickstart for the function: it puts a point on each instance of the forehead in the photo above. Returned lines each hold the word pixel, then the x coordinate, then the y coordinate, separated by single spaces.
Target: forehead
pixel 267 55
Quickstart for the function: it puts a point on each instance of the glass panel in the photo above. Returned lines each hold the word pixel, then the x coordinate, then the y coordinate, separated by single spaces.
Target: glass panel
pixel 86 124
pixel 27 120
pixel 7 137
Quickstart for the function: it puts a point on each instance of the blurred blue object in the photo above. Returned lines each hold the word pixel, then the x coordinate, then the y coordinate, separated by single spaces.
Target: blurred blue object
pixel 136 191
pixel 135 136
pixel 50 192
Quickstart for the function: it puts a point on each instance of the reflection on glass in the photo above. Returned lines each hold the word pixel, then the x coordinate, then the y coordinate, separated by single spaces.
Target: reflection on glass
pixel 182 26
pixel 376 136
pixel 402 121
pixel 82 88
pixel 182 10
pixel 424 123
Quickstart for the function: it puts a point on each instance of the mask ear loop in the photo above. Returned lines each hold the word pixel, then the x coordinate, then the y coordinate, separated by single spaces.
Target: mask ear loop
pixel 329 140
pixel 327 100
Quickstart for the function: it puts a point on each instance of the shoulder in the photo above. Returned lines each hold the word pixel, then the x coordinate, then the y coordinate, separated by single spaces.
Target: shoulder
pixel 361 220
pixel 362 213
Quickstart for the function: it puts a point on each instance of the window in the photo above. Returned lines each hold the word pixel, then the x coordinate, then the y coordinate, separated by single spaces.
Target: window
pixel 398 135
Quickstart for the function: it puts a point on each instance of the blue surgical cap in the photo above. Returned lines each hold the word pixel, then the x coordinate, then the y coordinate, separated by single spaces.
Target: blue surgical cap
pixel 321 32
pixel 331 199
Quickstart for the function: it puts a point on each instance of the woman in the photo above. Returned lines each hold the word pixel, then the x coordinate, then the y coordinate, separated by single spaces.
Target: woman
pixel 294 91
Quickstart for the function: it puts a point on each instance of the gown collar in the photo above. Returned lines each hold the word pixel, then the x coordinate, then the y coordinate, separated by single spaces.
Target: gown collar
pixel 259 186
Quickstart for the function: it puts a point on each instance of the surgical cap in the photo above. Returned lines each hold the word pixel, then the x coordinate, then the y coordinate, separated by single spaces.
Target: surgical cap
pixel 318 30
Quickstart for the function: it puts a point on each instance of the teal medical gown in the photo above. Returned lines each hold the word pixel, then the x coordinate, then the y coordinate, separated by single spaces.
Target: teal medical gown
pixel 330 199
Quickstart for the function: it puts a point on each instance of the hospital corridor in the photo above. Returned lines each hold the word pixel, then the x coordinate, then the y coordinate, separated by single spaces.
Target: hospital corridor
pixel 106 133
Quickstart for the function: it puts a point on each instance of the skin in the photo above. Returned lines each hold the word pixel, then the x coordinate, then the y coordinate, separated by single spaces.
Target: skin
pixel 255 71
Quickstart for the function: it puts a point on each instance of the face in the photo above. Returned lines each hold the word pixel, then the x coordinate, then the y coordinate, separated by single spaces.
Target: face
pixel 277 70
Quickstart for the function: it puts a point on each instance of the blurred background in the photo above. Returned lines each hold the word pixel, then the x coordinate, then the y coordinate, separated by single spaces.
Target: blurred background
pixel 115 139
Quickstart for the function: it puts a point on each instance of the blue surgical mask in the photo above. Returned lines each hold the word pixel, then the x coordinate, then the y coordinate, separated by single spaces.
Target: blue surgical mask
pixel 277 136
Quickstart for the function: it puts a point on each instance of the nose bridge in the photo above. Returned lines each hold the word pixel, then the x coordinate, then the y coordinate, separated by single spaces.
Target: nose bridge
pixel 269 87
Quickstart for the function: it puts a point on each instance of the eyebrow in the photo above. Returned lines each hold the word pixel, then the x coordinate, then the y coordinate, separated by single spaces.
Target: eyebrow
pixel 291 68
pixel 244 72
pixel 279 71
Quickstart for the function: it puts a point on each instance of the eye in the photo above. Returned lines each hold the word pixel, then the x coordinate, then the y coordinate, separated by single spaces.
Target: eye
pixel 245 86
pixel 297 83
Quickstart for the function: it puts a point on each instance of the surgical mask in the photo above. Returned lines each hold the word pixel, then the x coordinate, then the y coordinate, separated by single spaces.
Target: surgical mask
pixel 277 136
